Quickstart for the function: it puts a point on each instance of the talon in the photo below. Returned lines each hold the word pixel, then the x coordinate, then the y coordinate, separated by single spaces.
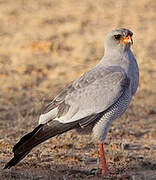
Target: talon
pixel 95 171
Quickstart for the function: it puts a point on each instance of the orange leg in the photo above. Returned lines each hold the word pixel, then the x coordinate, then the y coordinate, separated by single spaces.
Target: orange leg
pixel 103 160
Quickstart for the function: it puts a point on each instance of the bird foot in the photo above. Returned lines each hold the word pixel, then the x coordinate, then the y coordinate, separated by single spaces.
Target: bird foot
pixel 95 171
pixel 100 172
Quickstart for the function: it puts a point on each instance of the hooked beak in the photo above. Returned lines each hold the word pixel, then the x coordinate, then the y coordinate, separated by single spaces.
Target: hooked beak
pixel 126 40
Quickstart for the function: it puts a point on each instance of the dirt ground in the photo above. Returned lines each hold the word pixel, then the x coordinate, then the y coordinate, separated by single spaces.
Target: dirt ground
pixel 45 45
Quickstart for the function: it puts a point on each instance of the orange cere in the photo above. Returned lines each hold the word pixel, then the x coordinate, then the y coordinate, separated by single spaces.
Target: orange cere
pixel 126 39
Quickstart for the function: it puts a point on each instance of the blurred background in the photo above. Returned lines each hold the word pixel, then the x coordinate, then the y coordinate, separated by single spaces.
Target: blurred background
pixel 45 45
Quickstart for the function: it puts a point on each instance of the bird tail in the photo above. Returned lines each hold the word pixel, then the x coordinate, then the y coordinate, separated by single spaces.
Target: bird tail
pixel 40 134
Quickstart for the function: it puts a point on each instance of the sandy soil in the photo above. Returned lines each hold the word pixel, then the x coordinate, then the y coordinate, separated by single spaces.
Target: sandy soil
pixel 45 45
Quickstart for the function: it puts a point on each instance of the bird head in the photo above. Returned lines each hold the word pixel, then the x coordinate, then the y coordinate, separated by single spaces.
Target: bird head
pixel 119 38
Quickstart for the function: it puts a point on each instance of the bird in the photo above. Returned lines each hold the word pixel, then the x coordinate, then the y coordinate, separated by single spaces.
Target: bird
pixel 92 101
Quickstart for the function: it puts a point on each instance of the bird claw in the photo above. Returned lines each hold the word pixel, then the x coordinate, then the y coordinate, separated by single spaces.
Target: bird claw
pixel 95 171
pixel 100 172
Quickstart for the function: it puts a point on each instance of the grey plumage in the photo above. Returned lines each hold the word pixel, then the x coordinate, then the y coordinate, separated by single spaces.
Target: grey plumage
pixel 94 100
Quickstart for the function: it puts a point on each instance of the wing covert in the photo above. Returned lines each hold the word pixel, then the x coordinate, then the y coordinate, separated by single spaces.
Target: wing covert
pixel 92 93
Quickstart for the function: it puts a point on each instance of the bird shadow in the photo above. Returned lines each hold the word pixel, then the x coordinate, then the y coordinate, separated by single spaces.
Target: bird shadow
pixel 145 170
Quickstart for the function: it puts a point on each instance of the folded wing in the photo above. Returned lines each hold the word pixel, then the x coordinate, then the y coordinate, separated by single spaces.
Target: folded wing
pixel 91 94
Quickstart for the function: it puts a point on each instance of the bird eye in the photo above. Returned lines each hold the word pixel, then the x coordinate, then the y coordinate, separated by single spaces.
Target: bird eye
pixel 117 37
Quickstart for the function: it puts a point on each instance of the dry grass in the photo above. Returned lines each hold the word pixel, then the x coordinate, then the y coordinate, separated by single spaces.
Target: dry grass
pixel 47 44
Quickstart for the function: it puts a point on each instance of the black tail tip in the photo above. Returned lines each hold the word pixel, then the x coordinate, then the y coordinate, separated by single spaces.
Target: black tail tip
pixel 7 166
pixel 11 163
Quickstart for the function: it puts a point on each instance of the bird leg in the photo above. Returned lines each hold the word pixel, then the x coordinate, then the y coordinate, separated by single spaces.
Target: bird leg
pixel 103 160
